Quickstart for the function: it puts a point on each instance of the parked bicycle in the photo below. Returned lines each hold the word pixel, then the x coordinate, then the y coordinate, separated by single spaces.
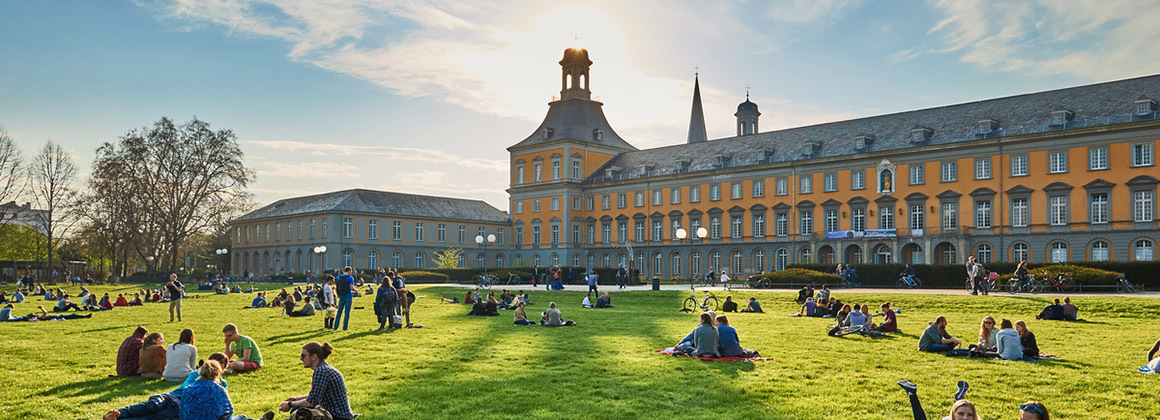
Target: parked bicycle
pixel 989 280
pixel 1125 285
pixel 485 282
pixel 1061 283
pixel 1015 286
pixel 755 281
pixel 513 279
pixel 709 303
pixel 908 282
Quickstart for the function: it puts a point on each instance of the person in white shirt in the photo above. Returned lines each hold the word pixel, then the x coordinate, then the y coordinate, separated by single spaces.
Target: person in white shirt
pixel 725 278
pixel 180 358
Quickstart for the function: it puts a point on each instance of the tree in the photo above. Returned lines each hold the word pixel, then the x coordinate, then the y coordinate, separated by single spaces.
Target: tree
pixel 51 178
pixel 448 258
pixel 184 180
pixel 12 179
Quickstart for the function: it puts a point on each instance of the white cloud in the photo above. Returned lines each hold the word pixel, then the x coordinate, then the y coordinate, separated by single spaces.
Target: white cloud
pixel 386 154
pixel 1094 39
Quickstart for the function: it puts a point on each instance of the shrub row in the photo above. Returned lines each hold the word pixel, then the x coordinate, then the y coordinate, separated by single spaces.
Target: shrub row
pixel 954 275
pixel 424 277
pixel 800 275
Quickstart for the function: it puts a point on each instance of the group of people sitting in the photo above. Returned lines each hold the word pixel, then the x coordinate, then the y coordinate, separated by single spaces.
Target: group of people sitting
pixel 1057 312
pixel 43 315
pixel 87 302
pixel 730 306
pixel 1010 341
pixel 713 337
pixel 602 301
pixel 855 318
pixel 223 289
pixel 203 394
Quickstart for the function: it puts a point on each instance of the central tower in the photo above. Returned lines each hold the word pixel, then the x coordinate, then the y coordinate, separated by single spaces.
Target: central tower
pixel 574 78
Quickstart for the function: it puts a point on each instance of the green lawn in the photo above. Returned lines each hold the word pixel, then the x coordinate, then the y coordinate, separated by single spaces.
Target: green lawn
pixel 468 367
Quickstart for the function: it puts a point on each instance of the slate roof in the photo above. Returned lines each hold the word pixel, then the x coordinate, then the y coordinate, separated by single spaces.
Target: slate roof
pixel 384 203
pixel 575 119
pixel 1091 105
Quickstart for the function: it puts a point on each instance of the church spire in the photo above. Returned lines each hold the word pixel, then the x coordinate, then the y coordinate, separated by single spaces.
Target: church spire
pixel 697 132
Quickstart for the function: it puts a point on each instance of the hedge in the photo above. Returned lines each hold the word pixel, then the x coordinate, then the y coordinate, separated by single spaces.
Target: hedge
pixel 955 275
pixel 424 277
pixel 800 275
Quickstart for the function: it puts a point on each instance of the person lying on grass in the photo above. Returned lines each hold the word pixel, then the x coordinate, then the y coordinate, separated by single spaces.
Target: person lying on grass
pixel 248 357
pixel 753 306
pixel 935 338
pixel 327 387
pixel 521 317
pixel 960 410
pixel 165 405
pixel 44 316
pixel 604 301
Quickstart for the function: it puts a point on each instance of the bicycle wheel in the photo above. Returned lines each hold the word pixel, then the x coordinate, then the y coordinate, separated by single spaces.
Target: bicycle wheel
pixel 690 305
pixel 711 303
pixel 766 284
pixel 1012 286
pixel 917 283
pixel 1068 285
pixel 901 284
pixel 1036 286
pixel 485 284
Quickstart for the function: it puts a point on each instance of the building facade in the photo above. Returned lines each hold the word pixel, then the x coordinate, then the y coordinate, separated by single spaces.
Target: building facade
pixel 1062 175
pixel 365 229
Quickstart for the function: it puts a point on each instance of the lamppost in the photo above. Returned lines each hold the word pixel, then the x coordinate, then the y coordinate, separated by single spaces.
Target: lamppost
pixel 225 259
pixel 149 261
pixel 479 241
pixel 682 234
pixel 321 258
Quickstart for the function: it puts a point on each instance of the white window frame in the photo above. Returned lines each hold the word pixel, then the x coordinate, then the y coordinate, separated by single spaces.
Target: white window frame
pixel 830 182
pixel 1142 154
pixel 917 217
pixel 735 191
pixel 1098 208
pixel 1057 210
pixel 695 194
pixel 983 168
pixel 1020 212
pixel 983 214
pixel 758 188
pixel 1098 158
pixel 675 195
pixel 858 219
pixel 781 186
pixel 806 184
pixel 1143 206
pixel 1018 165
pixel 917 174
pixel 1057 161
pixel 948 171
pixel 858 180
pixel 715 192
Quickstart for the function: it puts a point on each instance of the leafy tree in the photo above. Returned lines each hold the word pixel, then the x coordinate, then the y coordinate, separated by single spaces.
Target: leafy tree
pixel 448 258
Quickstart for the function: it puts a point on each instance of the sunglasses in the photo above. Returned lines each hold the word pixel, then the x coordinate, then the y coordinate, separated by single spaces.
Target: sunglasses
pixel 1030 408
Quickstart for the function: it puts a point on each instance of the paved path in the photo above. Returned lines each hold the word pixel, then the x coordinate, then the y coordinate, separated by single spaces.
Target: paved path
pixel 664 286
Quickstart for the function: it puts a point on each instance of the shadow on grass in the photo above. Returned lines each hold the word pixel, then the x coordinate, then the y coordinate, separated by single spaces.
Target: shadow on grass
pixel 109 388
pixel 116 327
pixel 300 336
pixel 366 333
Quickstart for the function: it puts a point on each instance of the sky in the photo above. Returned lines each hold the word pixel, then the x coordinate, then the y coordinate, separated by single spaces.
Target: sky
pixel 424 97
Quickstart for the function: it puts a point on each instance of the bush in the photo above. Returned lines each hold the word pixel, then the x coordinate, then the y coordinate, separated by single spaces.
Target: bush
pixel 801 275
pixel 1079 274
pixel 424 277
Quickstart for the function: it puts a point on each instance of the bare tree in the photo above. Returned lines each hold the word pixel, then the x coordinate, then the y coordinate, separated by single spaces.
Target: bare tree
pixel 51 178
pixel 187 180
pixel 12 179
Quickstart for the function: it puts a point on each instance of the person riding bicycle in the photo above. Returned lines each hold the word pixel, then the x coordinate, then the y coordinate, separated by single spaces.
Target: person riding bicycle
pixel 909 273
pixel 1021 275
pixel 850 276
pixel 710 275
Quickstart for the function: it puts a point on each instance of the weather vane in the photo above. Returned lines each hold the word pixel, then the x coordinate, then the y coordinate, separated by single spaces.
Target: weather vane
pixel 746 91
pixel 697 71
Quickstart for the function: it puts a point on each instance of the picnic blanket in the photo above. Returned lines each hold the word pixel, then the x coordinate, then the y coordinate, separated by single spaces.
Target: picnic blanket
pixel 669 351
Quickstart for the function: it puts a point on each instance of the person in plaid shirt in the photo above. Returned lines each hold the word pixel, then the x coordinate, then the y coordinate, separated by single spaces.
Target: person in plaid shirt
pixel 327 387
pixel 128 355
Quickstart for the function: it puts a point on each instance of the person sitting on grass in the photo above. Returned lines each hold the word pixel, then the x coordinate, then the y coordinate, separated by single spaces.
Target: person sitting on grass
pixel 6 312
pixel 152 363
pixel 1070 312
pixel 49 296
pixel 478 309
pixel 729 343
pixel 307 308
pixel 327 386
pixel 166 405
pixel 136 301
pixel 1027 340
pixel 855 319
pixel 960 410
pixel 729 305
pixel 523 297
pixel 492 305
pixel 237 289
pixel 890 321
pixel 753 306
pixel 288 305
pixel 205 398
pixel 834 308
pixel 552 316
pixel 521 317
pixel 587 302
pixel 1053 312
pixel 869 323
pixel 988 337
pixel 104 299
pixel 259 300
pixel 1010 345
pixel 805 293
pixel 121 300
pixel 809 308
pixel 706 339
pixel 250 289
pixel 241 350
pixel 1033 410
pixel 17 297
pixel 603 301
pixel 935 338
pixel 63 304
pixel 180 358
pixel 840 317
pixel 468 299
pixel 129 354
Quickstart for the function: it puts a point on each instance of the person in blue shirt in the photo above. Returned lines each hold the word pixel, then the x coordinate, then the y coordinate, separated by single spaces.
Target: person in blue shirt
pixel 729 345
pixel 205 398
pixel 163 406
pixel 63 305
pixel 18 297
pixel 592 277
pixel 753 306
pixel 345 296
pixel 259 301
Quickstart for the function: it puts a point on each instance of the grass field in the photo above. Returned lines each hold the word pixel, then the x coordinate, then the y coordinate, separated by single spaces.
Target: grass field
pixel 469 367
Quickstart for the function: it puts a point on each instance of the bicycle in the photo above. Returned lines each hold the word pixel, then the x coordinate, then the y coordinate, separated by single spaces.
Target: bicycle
pixel 707 304
pixel 988 283
pixel 757 282
pixel 1125 285
pixel 908 282
pixel 706 281
pixel 485 282
pixel 513 279
pixel 1062 283
pixel 1014 286
pixel 851 282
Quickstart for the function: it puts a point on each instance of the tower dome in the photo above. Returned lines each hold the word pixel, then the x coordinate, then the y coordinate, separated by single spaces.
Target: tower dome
pixel 747 115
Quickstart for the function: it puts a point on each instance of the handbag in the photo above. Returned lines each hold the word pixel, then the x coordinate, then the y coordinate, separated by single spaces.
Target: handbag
pixel 312 413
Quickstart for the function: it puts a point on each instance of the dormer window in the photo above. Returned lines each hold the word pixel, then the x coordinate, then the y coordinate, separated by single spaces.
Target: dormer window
pixel 810 149
pixel 987 126
pixel 721 160
pixel 611 171
pixel 919 135
pixel 1060 117
pixel 645 168
pixel 767 155
pixel 683 165
pixel 862 143
pixel 598 134
pixel 546 133
pixel 1145 106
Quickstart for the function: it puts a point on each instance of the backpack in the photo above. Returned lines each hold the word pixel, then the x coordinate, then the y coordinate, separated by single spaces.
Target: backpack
pixel 313 413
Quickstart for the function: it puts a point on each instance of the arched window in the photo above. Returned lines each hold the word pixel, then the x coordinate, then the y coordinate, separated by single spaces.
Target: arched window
pixel 1145 251
pixel 481 261
pixel 1101 251
pixel 883 255
pixel 695 263
pixel 397 259
pixel 715 261
pixel 555 259
pixel 277 262
pixel 419 260
pixel 591 261
pixel 758 260
pixel 348 258
pixel 461 262
pixel 499 262
pixel 738 263
pixel 805 257
pixel 536 259
pixel 519 260
pixel 782 259
pixel 1059 252
pixel 676 263
pixel 658 264
pixel 373 260
pixel 826 255
pixel 1020 252
pixel 983 253
pixel 607 261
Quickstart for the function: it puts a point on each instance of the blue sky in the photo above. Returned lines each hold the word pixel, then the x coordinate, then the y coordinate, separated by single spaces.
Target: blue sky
pixel 424 97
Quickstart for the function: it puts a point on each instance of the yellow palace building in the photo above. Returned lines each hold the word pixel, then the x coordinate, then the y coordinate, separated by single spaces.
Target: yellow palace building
pixel 1062 175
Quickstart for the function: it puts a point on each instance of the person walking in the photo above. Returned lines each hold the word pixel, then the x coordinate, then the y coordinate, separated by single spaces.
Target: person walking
pixel 176 292
pixel 592 278
pixel 975 273
pixel 345 285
